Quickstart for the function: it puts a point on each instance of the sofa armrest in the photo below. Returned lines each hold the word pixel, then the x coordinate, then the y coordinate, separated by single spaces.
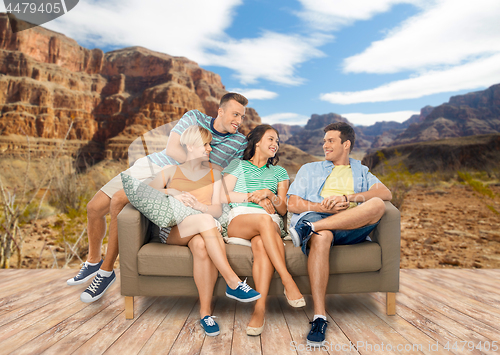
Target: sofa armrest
pixel 132 235
pixel 388 236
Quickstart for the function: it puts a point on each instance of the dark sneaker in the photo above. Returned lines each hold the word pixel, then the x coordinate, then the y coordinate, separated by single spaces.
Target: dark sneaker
pixel 242 293
pixel 316 336
pixel 210 326
pixel 300 232
pixel 86 273
pixel 97 288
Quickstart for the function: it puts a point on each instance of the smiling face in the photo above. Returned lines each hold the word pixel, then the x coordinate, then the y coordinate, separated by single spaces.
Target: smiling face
pixel 269 144
pixel 200 151
pixel 230 116
pixel 336 151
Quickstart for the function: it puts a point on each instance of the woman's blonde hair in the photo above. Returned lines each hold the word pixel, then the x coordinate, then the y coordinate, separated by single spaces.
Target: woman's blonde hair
pixel 195 136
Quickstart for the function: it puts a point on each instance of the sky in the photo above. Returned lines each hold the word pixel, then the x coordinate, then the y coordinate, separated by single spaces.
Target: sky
pixel 368 60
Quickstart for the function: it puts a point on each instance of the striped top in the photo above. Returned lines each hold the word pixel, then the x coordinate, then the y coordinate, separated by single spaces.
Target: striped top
pixel 225 147
pixel 252 178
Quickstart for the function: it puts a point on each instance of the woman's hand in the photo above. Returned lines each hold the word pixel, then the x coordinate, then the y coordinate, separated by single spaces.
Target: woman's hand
pixel 187 199
pixel 259 195
pixel 267 205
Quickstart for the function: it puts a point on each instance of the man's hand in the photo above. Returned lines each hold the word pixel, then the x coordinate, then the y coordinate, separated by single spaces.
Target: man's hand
pixel 267 205
pixel 259 195
pixel 334 204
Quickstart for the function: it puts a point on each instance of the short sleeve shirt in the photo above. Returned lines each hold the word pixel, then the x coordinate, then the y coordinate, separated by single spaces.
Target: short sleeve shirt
pixel 225 147
pixel 252 178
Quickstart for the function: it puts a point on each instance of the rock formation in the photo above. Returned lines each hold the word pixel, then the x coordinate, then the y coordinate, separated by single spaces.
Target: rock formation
pixel 49 83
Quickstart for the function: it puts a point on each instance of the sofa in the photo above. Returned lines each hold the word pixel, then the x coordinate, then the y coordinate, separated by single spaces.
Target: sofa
pixel 150 268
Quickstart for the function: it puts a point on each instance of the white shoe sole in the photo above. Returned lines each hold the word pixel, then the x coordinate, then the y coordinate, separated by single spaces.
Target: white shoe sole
pixel 295 237
pixel 72 282
pixel 314 344
pixel 90 300
pixel 244 300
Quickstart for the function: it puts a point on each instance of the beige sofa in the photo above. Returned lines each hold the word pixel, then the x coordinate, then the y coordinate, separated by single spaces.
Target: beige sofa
pixel 150 268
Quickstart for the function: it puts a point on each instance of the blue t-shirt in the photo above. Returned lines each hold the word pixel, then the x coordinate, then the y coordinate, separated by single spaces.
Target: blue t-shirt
pixel 225 147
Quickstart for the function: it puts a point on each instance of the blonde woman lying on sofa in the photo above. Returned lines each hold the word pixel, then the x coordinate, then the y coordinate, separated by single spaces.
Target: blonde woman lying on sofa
pixel 199 187
pixel 256 189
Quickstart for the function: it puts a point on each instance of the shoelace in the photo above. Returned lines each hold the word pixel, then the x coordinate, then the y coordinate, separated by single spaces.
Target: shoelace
pixel 84 267
pixel 210 321
pixel 244 287
pixel 95 284
pixel 310 226
pixel 318 326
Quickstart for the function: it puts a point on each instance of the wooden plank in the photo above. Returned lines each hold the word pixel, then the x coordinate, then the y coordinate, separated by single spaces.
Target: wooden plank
pixel 242 343
pixel 474 279
pixel 51 332
pixel 102 340
pixel 191 337
pixel 365 330
pixel 472 308
pixel 495 273
pixel 26 282
pixel 276 339
pixel 134 338
pixel 80 335
pixel 440 316
pixel 462 287
pixel 408 331
pixel 440 335
pixel 166 333
pixel 9 274
pixel 444 311
pixel 221 344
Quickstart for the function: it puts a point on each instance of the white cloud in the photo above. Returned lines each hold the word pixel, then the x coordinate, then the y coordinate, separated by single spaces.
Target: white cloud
pixel 447 33
pixel 194 29
pixel 289 118
pixel 256 94
pixel 273 56
pixel 367 119
pixel 478 74
pixel 327 15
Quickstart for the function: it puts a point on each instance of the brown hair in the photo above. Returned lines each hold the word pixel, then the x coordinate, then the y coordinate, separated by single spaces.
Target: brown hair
pixel 233 96
pixel 346 132
pixel 254 137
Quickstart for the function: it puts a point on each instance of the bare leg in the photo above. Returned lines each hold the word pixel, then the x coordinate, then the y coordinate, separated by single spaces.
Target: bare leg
pixel 247 226
pixel 97 209
pixel 318 267
pixel 262 271
pixel 204 225
pixel 118 201
pixel 204 273
pixel 367 213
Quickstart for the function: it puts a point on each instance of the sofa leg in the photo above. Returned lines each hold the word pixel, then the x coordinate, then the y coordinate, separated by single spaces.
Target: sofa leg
pixel 391 303
pixel 129 307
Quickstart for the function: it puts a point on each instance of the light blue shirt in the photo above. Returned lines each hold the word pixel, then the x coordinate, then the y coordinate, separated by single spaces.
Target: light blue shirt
pixel 312 176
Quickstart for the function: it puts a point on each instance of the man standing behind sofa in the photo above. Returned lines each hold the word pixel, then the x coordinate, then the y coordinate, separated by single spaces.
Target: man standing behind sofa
pixel 227 144
pixel 324 199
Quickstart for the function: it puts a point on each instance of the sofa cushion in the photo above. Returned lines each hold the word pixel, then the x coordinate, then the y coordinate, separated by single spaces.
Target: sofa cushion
pixel 157 259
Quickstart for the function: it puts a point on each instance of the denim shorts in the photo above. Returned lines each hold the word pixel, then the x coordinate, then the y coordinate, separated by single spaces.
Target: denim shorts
pixel 340 236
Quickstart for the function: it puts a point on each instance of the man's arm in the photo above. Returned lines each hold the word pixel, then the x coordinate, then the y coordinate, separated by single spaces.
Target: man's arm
pixel 174 148
pixel 377 190
pixel 298 205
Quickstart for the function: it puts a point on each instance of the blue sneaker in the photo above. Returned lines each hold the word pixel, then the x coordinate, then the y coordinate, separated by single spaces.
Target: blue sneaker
pixel 86 273
pixel 300 232
pixel 242 293
pixel 210 326
pixel 97 288
pixel 316 336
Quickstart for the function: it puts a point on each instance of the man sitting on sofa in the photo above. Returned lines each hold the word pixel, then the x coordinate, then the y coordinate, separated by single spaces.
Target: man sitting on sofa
pixel 227 144
pixel 322 198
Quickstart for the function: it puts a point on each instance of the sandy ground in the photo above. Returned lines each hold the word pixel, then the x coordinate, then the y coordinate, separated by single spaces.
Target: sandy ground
pixel 445 227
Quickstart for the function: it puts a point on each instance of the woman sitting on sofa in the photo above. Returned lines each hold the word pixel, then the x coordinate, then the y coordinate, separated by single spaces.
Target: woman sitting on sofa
pixel 199 187
pixel 256 189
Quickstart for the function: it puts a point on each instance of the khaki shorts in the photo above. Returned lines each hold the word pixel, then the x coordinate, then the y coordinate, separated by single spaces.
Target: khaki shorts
pixel 143 170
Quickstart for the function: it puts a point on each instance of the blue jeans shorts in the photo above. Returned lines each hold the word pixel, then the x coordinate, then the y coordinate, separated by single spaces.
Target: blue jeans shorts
pixel 340 237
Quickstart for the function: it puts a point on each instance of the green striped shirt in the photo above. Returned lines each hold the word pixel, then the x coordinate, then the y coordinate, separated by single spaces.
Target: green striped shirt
pixel 225 147
pixel 252 178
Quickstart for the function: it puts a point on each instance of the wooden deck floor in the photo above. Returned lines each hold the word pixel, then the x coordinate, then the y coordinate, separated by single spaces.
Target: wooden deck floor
pixel 39 314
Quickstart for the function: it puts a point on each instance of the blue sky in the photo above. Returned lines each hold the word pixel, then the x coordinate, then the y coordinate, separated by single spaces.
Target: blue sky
pixel 369 60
